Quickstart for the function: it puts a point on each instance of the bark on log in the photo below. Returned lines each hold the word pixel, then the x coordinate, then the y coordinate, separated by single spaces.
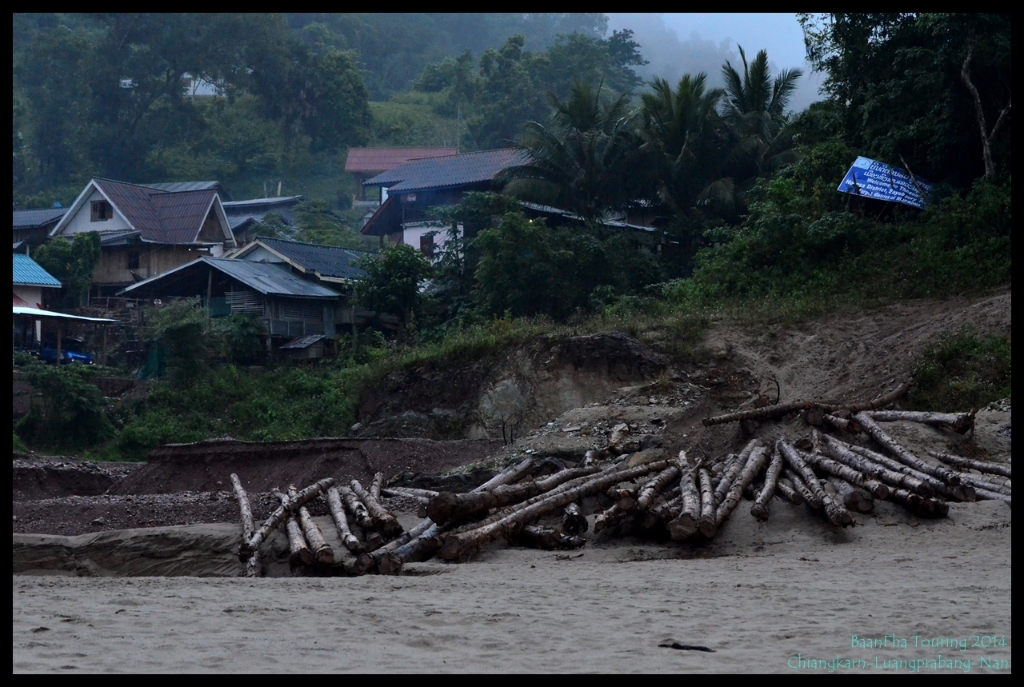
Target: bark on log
pixel 384 521
pixel 960 423
pixel 421 495
pixel 986 495
pixel 663 511
pixel 357 509
pixel 978 483
pixel 785 489
pixel 649 491
pixel 299 551
pixel 960 492
pixel 771 480
pixel 754 465
pixel 840 423
pixel 880 402
pixel 253 565
pixel 835 512
pixel 844 453
pixel 321 549
pixel 685 525
pixel 456 546
pixel 980 466
pixel 814 416
pixel 707 523
pixel 843 471
pixel 573 520
pixel 757 413
pixel 536 537
pixel 279 515
pixel 801 489
pixel 341 522
pixel 902 454
pixel 853 498
pixel 378 480
pixel 734 469
pixel 446 506
pixel 511 474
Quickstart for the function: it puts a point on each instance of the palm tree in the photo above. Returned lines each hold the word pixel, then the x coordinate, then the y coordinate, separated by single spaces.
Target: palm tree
pixel 684 132
pixel 755 110
pixel 582 160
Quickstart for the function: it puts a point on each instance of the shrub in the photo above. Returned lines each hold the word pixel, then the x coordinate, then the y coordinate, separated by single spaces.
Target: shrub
pixel 71 414
pixel 965 370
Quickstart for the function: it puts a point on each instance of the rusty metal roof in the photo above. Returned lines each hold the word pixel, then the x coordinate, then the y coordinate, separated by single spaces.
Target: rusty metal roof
pixel 448 172
pixel 377 160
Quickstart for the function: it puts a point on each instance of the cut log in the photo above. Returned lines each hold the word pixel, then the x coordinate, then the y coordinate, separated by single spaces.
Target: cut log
pixel 986 495
pixel 421 495
pixel 536 537
pixel 844 453
pixel 375 485
pixel 649 491
pixel 341 522
pixel 978 483
pixel 384 521
pixel 734 469
pixel 573 520
pixel 707 523
pixel 841 470
pixel 785 489
pixel 321 549
pixel 880 402
pixel 685 524
pixel 841 423
pixel 902 454
pixel 253 566
pixel 853 498
pixel 279 515
pixel 980 466
pixel 757 413
pixel 960 492
pixel 814 416
pixel 801 489
pixel 611 515
pixel 457 546
pixel 299 551
pixel 771 481
pixel 958 422
pixel 835 512
pixel 754 465
pixel 663 511
pixel 357 510
pixel 509 475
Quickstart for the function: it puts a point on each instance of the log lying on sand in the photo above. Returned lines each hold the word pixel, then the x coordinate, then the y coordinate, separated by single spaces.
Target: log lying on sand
pixel 341 522
pixel 843 424
pixel 447 506
pixel 649 491
pixel 383 521
pixel 843 471
pixel 357 510
pixel 978 483
pixel 787 491
pixel 958 422
pixel 922 507
pixel 664 510
pixel 902 454
pixel 734 469
pixel 458 545
pixel 707 523
pixel 754 465
pixel 835 512
pixel 757 413
pixel 801 489
pixel 421 495
pixel 278 516
pixel 253 566
pixel 537 537
pixel 685 524
pixel 375 485
pixel 299 552
pixel 771 481
pixel 980 466
pixel 961 492
pixel 853 498
pixel 880 402
pixel 321 549
pixel 573 520
pixel 843 453
pixel 986 495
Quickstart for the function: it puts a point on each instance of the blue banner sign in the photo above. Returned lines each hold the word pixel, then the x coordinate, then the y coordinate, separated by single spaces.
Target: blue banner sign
pixel 873 179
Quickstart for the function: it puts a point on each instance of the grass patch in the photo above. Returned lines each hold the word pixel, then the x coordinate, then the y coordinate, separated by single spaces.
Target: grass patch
pixel 965 370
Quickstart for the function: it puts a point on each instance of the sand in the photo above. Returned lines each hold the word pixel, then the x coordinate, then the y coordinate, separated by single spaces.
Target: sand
pixel 775 597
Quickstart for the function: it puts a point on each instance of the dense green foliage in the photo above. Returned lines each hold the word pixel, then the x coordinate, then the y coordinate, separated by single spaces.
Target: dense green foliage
pixel 71 412
pixel 393 281
pixel 71 263
pixel 965 370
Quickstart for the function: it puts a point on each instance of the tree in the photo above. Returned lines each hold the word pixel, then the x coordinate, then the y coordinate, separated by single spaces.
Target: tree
pixel 180 329
pixel 392 281
pixel 316 223
pixel 72 263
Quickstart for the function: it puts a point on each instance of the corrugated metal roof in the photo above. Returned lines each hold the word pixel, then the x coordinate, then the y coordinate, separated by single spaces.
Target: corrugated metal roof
pixel 28 272
pixel 446 172
pixel 377 160
pixel 304 341
pixel 26 219
pixel 174 186
pixel 330 262
pixel 244 205
pixel 266 278
pixel 160 216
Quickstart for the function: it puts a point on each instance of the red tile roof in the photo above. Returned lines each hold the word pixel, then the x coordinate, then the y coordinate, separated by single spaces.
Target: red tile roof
pixel 377 160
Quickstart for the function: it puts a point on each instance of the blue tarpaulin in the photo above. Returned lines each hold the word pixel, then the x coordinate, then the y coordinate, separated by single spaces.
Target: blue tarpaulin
pixel 873 179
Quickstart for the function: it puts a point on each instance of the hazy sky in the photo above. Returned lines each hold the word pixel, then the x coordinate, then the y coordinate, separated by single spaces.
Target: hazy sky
pixel 677 44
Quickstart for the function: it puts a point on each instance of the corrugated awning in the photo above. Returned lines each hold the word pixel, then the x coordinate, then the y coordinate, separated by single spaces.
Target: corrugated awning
pixel 36 312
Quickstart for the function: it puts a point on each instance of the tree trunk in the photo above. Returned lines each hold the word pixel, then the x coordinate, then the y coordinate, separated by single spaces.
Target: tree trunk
pixel 967 480
pixel 321 550
pixel 960 492
pixel 341 522
pixel 980 466
pixel 421 495
pixel 835 512
pixel 300 553
pixel 853 498
pixel 378 480
pixel 573 521
pixel 902 454
pixel 843 471
pixel 279 515
pixel 843 453
pixel 357 510
pixel 986 495
pixel 840 423
pixel 734 469
pixel 771 481
pixel 960 423
pixel 253 566
pixel 456 546
pixel 754 465
pixel 986 137
pixel 383 520
pixel 757 413
pixel 511 474
pixel 536 537
pixel 446 507
pixel 685 525
pixel 649 491
pixel 788 491
pixel 707 523
pixel 802 490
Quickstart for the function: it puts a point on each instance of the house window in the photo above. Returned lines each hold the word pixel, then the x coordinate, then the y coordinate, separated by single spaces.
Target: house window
pixel 101 211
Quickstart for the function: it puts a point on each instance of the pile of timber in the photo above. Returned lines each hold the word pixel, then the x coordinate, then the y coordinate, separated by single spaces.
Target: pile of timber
pixel 680 498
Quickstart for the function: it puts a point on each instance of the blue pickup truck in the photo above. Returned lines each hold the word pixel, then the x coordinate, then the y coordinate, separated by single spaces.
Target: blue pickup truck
pixel 71 351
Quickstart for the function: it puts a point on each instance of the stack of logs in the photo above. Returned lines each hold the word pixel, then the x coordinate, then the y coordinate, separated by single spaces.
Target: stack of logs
pixel 681 499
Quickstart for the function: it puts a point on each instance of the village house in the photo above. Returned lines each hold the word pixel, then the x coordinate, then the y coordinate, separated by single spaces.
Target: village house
pixel 33 227
pixel 364 163
pixel 146 231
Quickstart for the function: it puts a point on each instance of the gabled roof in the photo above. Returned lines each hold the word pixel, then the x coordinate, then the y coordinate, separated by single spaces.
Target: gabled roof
pixel 26 219
pixel 174 186
pixel 28 272
pixel 448 172
pixel 377 160
pixel 260 276
pixel 159 216
pixel 329 263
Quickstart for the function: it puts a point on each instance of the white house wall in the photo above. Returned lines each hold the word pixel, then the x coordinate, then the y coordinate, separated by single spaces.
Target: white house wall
pixel 33 295
pixel 82 222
